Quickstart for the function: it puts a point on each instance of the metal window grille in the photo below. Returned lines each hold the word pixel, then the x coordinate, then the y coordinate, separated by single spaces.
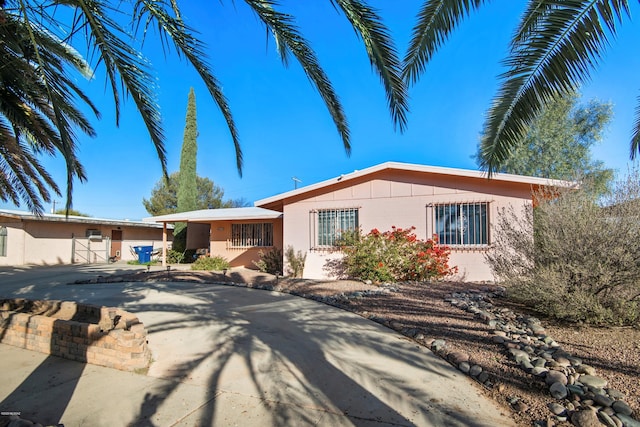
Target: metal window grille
pixel 331 223
pixel 3 241
pixel 462 224
pixel 252 235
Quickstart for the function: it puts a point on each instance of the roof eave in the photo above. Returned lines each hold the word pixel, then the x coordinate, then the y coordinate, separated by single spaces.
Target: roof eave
pixel 437 170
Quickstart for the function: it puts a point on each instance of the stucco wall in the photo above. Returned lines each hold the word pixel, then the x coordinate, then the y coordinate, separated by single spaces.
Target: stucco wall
pixel 15 242
pixel 240 257
pixel 401 199
pixel 47 243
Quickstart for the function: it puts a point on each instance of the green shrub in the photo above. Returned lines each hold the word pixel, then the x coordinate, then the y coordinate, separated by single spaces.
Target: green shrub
pixel 573 257
pixel 295 261
pixel 216 263
pixel 174 257
pixel 136 262
pixel 395 255
pixel 270 262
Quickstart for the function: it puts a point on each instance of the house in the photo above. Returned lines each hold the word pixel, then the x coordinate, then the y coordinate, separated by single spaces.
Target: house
pixel 459 206
pixel 26 238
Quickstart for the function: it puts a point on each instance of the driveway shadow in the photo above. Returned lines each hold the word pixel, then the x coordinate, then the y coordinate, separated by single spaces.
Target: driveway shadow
pixel 302 362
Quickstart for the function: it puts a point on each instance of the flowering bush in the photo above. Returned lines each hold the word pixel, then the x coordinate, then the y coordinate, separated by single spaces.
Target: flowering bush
pixel 395 255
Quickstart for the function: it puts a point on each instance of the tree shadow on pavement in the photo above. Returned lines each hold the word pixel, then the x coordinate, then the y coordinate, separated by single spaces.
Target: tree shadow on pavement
pixel 300 362
pixel 54 380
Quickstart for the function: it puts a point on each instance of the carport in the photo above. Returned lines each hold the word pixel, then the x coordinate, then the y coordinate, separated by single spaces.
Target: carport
pixel 237 234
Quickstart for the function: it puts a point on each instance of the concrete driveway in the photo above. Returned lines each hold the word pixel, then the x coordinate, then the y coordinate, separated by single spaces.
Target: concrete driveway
pixel 225 355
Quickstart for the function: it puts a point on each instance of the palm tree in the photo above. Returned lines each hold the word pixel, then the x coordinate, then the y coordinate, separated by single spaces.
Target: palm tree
pixel 42 113
pixel 37 113
pixel 556 46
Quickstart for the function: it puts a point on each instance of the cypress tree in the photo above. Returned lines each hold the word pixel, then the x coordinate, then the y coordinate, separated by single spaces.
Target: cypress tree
pixel 187 184
pixel 187 192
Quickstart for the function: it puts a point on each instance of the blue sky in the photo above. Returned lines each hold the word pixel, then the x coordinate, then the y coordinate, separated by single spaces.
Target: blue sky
pixel 285 130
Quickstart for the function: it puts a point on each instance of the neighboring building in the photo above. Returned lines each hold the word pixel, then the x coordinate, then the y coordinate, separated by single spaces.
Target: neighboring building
pixel 26 238
pixel 459 206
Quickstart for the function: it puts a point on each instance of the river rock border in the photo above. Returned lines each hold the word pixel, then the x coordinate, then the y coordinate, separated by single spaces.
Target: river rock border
pixel 582 397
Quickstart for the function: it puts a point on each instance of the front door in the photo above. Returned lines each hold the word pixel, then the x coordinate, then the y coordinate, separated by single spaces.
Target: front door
pixel 116 244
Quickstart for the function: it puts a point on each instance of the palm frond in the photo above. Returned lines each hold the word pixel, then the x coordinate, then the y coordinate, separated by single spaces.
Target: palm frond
pixel 382 55
pixel 557 56
pixel 282 25
pixel 22 177
pixel 436 20
pixel 37 101
pixel 193 49
pixel 635 133
pixel 124 64
pixel 66 140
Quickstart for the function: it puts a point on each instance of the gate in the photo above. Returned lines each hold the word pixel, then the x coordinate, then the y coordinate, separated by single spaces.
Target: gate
pixel 90 250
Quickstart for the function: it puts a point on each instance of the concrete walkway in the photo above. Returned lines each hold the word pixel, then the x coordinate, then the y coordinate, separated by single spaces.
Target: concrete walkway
pixel 234 356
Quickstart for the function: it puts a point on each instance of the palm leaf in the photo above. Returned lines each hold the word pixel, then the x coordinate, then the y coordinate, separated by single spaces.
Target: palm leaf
pixel 22 177
pixel 193 49
pixel 382 55
pixel 435 22
pixel 37 102
pixel 635 135
pixel 123 64
pixel 48 72
pixel 287 34
pixel 553 52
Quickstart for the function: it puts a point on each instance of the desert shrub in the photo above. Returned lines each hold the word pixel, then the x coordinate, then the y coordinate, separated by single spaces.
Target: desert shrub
pixel 270 262
pixel 574 257
pixel 174 257
pixel 295 261
pixel 395 255
pixel 211 263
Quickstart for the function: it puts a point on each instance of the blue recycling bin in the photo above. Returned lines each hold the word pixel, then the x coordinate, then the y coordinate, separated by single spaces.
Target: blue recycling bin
pixel 144 253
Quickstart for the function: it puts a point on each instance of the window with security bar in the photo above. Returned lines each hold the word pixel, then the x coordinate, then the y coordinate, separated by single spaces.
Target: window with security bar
pixel 462 224
pixel 252 235
pixel 3 241
pixel 331 223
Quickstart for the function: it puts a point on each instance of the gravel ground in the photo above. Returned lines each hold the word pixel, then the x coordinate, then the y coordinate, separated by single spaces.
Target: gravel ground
pixel 614 352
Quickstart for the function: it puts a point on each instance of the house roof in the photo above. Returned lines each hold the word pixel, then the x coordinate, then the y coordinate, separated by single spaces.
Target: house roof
pixel 29 216
pixel 435 170
pixel 208 215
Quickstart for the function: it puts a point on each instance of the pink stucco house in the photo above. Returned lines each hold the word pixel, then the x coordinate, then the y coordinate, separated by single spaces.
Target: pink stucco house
pixel 459 206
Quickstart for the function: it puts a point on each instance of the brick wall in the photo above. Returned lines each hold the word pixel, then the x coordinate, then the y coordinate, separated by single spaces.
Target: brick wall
pixel 103 336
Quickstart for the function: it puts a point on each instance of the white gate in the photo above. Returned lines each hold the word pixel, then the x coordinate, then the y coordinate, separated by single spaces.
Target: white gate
pixel 91 250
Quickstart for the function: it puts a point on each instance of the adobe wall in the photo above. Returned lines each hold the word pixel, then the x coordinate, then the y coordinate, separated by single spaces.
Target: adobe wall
pixel 104 336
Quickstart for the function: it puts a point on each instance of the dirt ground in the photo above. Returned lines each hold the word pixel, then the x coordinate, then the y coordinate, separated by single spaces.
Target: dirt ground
pixel 614 352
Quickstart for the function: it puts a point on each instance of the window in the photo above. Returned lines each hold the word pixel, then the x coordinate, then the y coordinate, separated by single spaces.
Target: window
pixel 462 224
pixel 3 241
pixel 331 223
pixel 252 235
pixel 92 233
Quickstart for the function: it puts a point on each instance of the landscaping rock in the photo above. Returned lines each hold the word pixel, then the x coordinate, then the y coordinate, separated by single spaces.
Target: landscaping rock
pixel 593 381
pixel 585 418
pixel 558 390
pixel 627 421
pixel 475 370
pixel 603 400
pixel 581 394
pixel 606 419
pixel 555 377
pixel 621 407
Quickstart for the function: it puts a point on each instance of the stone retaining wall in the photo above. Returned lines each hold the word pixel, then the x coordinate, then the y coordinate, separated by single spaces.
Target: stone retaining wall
pixel 103 336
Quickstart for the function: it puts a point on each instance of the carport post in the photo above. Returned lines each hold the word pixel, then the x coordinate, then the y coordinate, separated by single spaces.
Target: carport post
pixel 164 244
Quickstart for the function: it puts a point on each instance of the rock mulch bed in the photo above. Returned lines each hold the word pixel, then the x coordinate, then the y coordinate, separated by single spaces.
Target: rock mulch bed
pixel 582 397
pixel 464 338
